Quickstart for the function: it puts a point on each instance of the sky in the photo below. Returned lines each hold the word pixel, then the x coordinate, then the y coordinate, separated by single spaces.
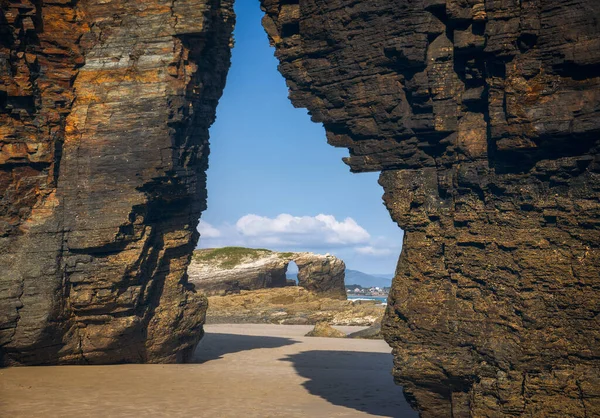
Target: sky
pixel 274 182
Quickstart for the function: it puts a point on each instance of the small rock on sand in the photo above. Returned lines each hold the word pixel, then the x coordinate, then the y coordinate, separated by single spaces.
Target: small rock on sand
pixel 323 329
pixel 371 333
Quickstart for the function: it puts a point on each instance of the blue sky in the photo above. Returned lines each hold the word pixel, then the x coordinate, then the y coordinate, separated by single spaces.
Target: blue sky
pixel 273 180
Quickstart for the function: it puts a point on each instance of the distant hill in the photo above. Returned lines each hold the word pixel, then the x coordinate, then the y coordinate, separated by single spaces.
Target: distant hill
pixel 368 280
pixel 360 278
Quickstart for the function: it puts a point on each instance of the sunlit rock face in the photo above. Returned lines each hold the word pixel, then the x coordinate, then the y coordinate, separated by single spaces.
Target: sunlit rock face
pixel 104 115
pixel 215 272
pixel 484 118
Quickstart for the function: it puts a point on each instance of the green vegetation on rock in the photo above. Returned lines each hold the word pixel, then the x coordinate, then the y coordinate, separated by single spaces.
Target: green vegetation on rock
pixel 229 257
pixel 286 255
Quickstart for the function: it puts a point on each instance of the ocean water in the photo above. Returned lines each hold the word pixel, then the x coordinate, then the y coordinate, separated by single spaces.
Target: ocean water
pixel 382 299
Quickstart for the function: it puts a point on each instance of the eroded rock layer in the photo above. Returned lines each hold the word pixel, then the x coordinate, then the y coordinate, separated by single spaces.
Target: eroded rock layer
pixel 229 270
pixel 484 118
pixel 104 115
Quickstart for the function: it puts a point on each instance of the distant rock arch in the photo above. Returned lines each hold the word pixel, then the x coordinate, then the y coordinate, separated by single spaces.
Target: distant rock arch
pixel 214 271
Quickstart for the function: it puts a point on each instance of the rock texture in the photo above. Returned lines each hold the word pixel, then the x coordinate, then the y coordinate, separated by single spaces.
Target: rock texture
pixel 484 118
pixel 290 305
pixel 228 270
pixel 104 115
pixel 261 269
pixel 371 333
pixel 321 274
pixel 323 329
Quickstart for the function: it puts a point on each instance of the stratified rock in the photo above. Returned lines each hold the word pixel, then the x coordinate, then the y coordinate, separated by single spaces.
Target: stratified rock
pixel 229 270
pixel 322 274
pixel 484 117
pixel 323 329
pixel 104 114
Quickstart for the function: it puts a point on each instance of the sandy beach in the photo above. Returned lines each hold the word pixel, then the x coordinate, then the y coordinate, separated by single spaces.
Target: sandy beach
pixel 238 371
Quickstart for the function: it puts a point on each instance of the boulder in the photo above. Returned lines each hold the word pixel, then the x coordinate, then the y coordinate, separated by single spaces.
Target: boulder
pixel 323 329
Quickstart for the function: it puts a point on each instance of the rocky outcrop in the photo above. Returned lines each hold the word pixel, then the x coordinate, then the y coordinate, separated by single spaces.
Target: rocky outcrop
pixel 228 270
pixel 484 118
pixel 321 274
pixel 104 115
pixel 290 305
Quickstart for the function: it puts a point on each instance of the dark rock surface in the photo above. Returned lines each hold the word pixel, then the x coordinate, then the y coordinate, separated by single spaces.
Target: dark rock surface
pixel 371 333
pixel 104 116
pixel 484 118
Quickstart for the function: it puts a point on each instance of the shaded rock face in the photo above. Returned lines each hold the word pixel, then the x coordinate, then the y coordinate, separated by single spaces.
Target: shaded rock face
pixel 104 116
pixel 320 274
pixel 484 118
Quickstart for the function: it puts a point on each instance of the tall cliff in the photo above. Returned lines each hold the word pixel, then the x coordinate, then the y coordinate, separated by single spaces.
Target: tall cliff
pixel 104 114
pixel 484 118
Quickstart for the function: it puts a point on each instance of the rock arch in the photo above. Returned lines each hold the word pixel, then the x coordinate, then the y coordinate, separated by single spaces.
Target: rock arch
pixel 481 115
pixel 321 274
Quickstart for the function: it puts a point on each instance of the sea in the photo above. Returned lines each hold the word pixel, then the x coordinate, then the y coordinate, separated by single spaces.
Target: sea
pixel 382 299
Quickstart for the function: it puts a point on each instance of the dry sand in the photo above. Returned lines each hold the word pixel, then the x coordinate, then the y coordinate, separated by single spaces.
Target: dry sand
pixel 239 371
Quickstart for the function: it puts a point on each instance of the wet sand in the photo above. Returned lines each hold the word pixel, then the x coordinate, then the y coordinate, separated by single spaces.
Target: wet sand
pixel 238 371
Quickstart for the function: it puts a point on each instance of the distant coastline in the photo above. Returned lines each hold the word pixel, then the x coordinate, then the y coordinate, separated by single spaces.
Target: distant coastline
pixel 382 299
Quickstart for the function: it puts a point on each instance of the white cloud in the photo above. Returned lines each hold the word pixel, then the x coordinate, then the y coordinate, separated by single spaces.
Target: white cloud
pixel 373 251
pixel 207 230
pixel 320 234
pixel 304 230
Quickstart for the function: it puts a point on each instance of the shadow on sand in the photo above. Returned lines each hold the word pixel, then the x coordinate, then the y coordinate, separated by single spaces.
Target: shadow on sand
pixel 215 346
pixel 358 380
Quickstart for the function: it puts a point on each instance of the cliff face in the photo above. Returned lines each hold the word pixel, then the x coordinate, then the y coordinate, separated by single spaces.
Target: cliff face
pixel 104 116
pixel 484 118
pixel 228 270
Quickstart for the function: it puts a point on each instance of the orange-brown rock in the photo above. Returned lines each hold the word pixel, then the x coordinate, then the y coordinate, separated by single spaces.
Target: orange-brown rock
pixel 104 115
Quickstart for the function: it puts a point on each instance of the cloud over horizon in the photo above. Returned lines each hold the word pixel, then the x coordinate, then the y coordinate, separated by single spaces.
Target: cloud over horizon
pixel 298 233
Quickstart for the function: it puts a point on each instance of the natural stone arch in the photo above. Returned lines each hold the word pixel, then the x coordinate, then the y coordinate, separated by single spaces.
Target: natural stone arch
pixel 213 274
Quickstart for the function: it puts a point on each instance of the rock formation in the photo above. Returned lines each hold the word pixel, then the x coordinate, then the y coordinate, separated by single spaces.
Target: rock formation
pixel 104 115
pixel 229 270
pixel 321 274
pixel 323 329
pixel 484 118
pixel 215 275
pixel 290 305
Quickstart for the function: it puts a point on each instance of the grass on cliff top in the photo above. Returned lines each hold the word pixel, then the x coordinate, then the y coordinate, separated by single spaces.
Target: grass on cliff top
pixel 229 257
pixel 286 255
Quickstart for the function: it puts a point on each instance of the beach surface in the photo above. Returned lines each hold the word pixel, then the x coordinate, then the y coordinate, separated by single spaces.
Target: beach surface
pixel 239 370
